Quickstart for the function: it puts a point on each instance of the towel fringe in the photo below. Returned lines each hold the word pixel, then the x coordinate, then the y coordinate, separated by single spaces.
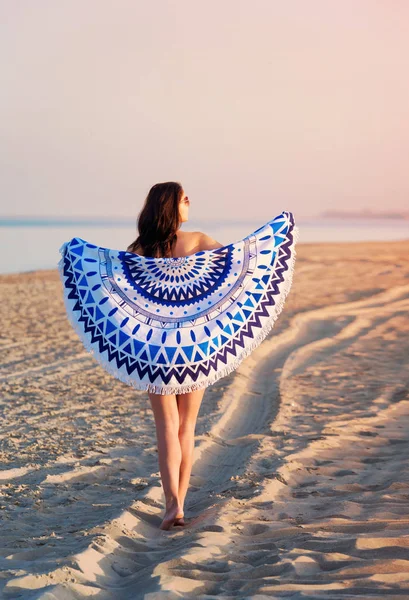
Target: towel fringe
pixel 191 387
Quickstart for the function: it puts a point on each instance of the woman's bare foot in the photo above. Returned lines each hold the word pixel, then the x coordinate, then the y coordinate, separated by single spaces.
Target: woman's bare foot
pixel 179 520
pixel 170 516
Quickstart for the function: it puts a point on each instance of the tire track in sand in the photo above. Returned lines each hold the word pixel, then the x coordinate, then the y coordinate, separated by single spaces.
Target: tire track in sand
pixel 134 554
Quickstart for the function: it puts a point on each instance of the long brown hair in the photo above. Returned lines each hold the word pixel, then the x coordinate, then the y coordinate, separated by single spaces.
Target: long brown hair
pixel 158 221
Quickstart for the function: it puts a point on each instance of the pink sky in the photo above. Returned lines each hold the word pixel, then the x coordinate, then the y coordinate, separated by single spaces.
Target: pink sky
pixel 256 107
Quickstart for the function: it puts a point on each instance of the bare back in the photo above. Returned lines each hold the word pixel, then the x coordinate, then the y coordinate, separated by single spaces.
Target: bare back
pixel 189 242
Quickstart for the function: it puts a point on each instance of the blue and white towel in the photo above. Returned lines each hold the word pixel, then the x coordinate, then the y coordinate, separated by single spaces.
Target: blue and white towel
pixel 174 325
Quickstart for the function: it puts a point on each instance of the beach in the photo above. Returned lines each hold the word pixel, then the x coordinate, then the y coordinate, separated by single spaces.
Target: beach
pixel 300 481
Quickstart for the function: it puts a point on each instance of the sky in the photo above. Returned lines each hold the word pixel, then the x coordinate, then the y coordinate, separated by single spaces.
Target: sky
pixel 253 106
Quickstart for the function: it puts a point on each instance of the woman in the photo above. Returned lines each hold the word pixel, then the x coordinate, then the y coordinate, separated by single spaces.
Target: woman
pixel 176 312
pixel 166 208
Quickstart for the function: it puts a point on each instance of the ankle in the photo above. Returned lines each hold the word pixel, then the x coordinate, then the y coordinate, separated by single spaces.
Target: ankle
pixel 171 502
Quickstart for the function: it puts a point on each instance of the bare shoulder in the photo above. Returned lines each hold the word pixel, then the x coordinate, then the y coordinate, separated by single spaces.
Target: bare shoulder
pixel 188 239
pixel 195 241
pixel 206 242
pixel 187 235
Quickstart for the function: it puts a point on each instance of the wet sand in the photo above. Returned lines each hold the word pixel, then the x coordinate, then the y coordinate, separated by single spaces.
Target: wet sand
pixel 300 485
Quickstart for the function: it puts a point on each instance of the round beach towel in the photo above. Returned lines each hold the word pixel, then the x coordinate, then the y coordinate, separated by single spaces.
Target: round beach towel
pixel 174 325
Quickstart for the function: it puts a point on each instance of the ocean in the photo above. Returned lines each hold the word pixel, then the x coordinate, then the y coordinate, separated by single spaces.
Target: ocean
pixel 28 245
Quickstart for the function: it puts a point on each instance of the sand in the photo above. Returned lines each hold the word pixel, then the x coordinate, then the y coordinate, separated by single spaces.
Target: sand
pixel 300 485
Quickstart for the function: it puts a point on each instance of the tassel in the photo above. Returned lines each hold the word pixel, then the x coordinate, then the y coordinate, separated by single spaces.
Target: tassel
pixel 188 387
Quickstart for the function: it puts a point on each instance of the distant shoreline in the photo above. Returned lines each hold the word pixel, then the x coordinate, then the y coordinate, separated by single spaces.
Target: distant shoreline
pixel 45 221
pixel 338 214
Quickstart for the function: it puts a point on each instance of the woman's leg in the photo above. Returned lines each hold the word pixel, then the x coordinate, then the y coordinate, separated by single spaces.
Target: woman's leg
pixel 188 405
pixel 165 410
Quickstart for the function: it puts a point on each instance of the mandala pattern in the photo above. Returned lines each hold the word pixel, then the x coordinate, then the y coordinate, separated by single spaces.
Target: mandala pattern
pixel 173 325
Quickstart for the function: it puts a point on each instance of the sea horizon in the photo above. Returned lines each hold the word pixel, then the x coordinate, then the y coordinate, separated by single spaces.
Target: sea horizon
pixel 43 236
